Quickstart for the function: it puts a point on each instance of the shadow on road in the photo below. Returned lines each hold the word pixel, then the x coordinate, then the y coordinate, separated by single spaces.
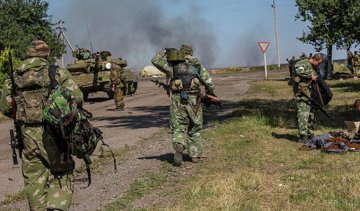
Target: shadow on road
pixel 155 116
pixel 168 157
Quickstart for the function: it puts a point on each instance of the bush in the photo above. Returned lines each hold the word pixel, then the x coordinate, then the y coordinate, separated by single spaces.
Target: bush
pixel 5 66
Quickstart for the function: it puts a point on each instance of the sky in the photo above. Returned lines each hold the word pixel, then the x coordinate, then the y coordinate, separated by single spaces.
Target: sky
pixel 223 33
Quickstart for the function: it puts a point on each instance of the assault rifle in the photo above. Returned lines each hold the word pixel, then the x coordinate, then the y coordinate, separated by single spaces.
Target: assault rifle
pixel 16 140
pixel 316 104
pixel 210 95
pixel 163 85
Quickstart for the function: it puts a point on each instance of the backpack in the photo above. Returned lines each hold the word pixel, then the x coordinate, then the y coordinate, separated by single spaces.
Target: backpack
pixel 320 92
pixel 32 85
pixel 75 135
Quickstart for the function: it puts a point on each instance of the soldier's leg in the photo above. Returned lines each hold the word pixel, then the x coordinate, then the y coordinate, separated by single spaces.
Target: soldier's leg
pixel 311 123
pixel 179 124
pixel 303 114
pixel 34 169
pixel 61 180
pixel 195 145
pixel 119 98
pixel 60 191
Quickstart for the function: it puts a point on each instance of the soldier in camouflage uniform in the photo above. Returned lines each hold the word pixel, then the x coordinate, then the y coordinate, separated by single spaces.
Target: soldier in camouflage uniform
pixel 48 179
pixel 303 75
pixel 186 116
pixel 117 78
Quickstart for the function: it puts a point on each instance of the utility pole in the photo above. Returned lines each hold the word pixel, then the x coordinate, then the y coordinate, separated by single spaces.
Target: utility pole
pixel 276 34
pixel 63 37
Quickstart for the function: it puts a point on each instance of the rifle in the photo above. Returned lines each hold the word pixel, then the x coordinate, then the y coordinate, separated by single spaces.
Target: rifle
pixel 211 97
pixel 163 85
pixel 316 104
pixel 16 140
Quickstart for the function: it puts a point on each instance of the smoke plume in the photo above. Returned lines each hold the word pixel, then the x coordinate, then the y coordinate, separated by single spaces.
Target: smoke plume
pixel 136 29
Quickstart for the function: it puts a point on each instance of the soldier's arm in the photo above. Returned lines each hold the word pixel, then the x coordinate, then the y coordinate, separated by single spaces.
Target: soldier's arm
pixel 5 99
pixel 204 74
pixel 66 80
pixel 160 62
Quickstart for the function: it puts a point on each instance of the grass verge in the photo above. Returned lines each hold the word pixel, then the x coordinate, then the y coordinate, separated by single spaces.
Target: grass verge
pixel 140 188
pixel 256 164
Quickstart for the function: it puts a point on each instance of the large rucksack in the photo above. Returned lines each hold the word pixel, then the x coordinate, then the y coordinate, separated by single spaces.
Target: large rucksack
pixel 320 92
pixel 76 136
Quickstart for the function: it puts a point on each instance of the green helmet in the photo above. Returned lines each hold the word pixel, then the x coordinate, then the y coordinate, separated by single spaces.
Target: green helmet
pixel 187 49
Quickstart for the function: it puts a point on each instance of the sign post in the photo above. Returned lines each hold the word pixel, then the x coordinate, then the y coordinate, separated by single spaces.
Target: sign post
pixel 264 46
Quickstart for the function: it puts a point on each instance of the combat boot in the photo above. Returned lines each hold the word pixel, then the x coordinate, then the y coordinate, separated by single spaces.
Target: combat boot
pixel 178 155
pixel 303 139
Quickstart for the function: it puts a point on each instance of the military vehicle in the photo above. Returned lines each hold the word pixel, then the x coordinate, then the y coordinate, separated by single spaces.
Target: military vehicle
pixel 131 82
pixel 92 71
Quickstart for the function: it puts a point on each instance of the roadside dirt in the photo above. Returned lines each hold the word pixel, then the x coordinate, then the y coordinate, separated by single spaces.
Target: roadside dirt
pixel 142 127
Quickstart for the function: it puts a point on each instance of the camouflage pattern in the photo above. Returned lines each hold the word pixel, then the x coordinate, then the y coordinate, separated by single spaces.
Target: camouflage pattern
pixel 305 112
pixel 187 49
pixel 186 125
pixel 38 48
pixel 48 178
pixel 185 122
pixel 356 63
pixel 117 78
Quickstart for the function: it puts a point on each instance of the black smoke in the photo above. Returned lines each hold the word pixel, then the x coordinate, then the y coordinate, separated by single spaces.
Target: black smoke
pixel 136 29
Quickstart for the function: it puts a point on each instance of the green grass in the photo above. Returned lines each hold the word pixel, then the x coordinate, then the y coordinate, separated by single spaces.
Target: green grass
pixel 139 188
pixel 256 164
pixel 12 198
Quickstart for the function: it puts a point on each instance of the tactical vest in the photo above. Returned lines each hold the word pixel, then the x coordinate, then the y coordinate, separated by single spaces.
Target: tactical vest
pixel 32 88
pixel 184 78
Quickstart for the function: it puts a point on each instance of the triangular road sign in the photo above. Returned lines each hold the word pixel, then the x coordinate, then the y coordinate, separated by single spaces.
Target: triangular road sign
pixel 263 46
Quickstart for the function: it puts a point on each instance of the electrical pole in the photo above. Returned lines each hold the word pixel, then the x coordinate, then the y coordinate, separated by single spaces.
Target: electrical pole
pixel 276 34
pixel 63 37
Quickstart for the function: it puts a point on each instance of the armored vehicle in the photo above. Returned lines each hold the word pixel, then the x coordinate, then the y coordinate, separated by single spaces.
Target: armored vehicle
pixel 92 71
pixel 131 82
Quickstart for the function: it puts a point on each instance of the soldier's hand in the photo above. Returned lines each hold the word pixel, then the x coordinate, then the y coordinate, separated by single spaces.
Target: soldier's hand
pixel 313 77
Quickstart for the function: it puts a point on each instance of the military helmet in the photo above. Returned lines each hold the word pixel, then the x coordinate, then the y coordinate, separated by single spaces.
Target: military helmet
pixel 187 49
pixel 38 48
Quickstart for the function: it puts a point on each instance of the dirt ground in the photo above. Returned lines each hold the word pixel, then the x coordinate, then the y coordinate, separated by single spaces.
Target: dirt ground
pixel 142 127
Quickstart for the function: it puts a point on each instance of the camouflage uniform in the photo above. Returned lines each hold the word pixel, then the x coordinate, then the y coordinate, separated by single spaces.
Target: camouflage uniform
pixel 185 122
pixel 117 78
pixel 356 63
pixel 305 112
pixel 48 179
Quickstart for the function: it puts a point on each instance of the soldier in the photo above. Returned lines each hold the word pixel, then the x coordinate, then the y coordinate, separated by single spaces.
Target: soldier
pixel 117 77
pixel 186 117
pixel 356 63
pixel 349 58
pixel 48 179
pixel 291 62
pixel 303 75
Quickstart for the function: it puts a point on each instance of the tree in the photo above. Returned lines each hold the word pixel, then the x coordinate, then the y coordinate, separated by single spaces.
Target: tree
pixel 333 22
pixel 5 65
pixel 22 21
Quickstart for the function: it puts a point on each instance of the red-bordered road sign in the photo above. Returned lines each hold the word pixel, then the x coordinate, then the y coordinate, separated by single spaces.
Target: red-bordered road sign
pixel 263 46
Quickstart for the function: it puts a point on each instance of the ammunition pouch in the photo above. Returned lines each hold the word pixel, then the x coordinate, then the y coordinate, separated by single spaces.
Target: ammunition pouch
pixel 184 78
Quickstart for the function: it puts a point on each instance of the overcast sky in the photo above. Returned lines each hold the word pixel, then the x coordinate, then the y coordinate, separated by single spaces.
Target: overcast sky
pixel 222 32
